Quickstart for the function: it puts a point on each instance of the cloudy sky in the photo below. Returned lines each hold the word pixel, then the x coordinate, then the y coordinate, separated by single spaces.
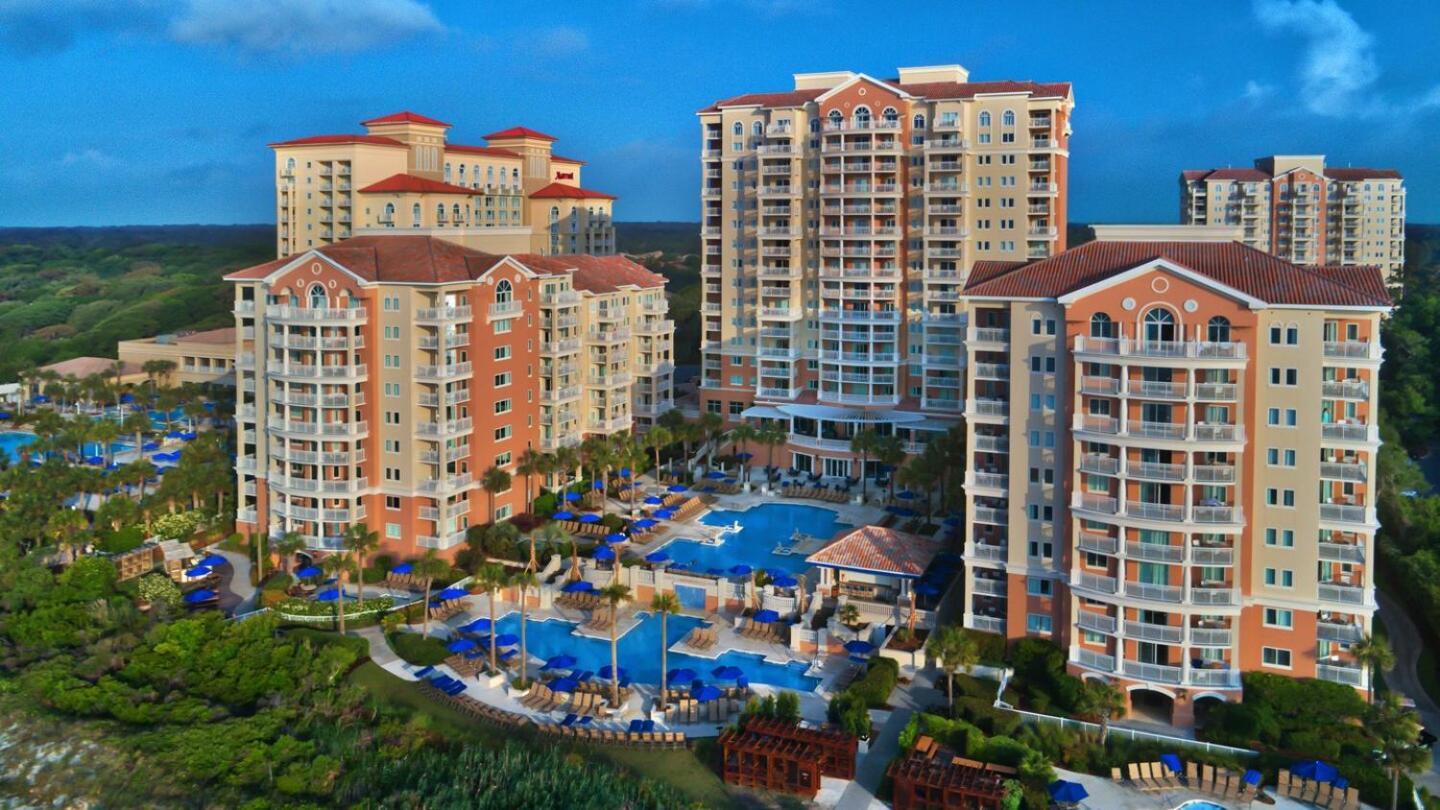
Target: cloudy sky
pixel 146 111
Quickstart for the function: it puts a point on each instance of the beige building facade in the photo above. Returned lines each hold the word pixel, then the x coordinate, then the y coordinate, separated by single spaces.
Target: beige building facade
pixel 1304 211
pixel 511 195
pixel 1172 451
pixel 199 357
pixel 839 220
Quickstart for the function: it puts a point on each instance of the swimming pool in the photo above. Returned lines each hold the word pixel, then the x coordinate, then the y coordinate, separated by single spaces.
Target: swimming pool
pixel 639 651
pixel 12 442
pixel 1201 804
pixel 763 527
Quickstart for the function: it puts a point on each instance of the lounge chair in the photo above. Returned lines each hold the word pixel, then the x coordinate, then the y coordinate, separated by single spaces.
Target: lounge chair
pixel 1192 776
pixel 1207 779
pixel 1137 779
pixel 1282 783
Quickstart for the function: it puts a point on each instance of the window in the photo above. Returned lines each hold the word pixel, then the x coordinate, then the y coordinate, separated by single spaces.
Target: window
pixel 1280 497
pixel 415 215
pixel 1159 326
pixel 502 352
pixel 918 122
pixel 1280 577
pixel 1037 623
pixel 1284 376
pixel 502 433
pixel 392 333
pixel 502 406
pixel 1278 417
pixel 1007 118
pixel 392 531
pixel 1218 330
pixel 862 116
pixel 392 417
pixel 1039 586
pixel 389 217
pixel 392 502
pixel 1276 457
pixel 318 299
pixel 984 119
pixel 1101 326
pixel 1275 657
pixel 891 115
pixel 1277 617
pixel 502 379
pixel 503 460
pixel 392 445
pixel 1280 538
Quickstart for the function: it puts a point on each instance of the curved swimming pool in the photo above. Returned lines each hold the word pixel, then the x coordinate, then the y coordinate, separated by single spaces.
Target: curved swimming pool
pixel 763 527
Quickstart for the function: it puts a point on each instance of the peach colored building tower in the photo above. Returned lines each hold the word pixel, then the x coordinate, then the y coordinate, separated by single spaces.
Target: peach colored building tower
pixel 839 220
pixel 380 377
pixel 1171 467
pixel 511 195
pixel 1299 209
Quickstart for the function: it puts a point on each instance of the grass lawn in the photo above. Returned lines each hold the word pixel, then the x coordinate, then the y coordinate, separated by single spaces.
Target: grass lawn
pixel 681 770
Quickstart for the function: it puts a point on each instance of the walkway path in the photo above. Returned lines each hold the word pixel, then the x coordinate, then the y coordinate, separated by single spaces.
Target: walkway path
pixel 885 745
pixel 239 594
pixel 380 650
pixel 1404 677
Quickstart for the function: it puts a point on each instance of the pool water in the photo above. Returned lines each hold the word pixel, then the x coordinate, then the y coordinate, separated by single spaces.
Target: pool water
pixel 11 443
pixel 764 526
pixel 1201 804
pixel 639 651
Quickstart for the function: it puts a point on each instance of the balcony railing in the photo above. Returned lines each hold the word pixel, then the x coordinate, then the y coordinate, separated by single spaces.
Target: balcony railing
pixel 1155 673
pixel 1096 622
pixel 1162 633
pixel 1350 676
pixel 1179 349
pixel 1342 594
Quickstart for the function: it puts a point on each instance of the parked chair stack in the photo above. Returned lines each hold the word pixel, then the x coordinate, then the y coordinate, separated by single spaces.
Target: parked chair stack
pixel 1320 794
pixel 703 638
pixel 770 633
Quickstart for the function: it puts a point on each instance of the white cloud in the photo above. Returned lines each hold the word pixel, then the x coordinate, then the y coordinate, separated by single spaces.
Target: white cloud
pixel 559 42
pixel 89 156
pixel 1257 91
pixel 303 26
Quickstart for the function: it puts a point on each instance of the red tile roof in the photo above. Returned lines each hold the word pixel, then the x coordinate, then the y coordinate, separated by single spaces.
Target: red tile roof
pixel 404 117
pixel 481 150
pixel 1254 175
pixel 878 549
pixel 319 140
pixel 414 184
pixel 560 191
pixel 791 98
pixel 1357 173
pixel 518 132
pixel 82 367
pixel 598 274
pixel 1253 272
pixel 558 159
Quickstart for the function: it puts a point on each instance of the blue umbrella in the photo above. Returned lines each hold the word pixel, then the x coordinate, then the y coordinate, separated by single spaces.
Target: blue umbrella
pixel 726 673
pixel 477 626
pixel 859 647
pixel 927 589
pixel 507 640
pixel 187 436
pixel 559 662
pixel 563 515
pixel 664 514
pixel 607 672
pixel 564 685
pixel 127 398
pixel 604 553
pixel 578 586
pixel 906 495
pixel 1063 792
pixel 654 500
pixel 584 676
pixel 766 616
pixel 451 593
pixel 209 406
pixel 309 571
pixel 95 461
pixel 1171 762
pixel 174 434
pixel 715 475
pixel 784 581
pixel 1340 783
pixel 403 568
pixel 1314 769
pixel 212 560
pixel 590 517
pixel 1253 777
pixel 624 472
pixel 676 489
pixel 507 655
pixel 461 645
pixel 200 571
pixel 572 496
pixel 681 675
pixel 202 595
pixel 644 523
pixel 150 446
pixel 744 456
pixel 741 570
pixel 657 557
pixel 680 566
pixel 614 538
pixel 328 595
pixel 706 693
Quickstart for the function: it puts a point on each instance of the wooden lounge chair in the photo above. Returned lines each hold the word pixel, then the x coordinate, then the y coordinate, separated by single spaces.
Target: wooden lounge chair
pixel 1115 775
pixel 1168 780
pixel 1233 786
pixel 1192 776
pixel 1282 783
pixel 1352 799
pixel 1136 779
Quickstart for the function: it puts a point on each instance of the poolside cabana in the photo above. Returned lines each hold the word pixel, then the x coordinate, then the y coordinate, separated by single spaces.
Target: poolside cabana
pixel 875 569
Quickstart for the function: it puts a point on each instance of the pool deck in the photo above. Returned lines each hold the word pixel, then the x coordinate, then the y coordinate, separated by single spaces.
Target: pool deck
pixel 1106 795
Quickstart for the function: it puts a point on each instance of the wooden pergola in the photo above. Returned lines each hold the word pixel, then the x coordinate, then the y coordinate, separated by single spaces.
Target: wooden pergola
pixel 778 756
pixel 931 778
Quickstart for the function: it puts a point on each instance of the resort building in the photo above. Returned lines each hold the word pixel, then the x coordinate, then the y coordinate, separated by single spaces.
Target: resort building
pixel 1171 457
pixel 839 220
pixel 199 357
pixel 379 378
pixel 510 195
pixel 1301 210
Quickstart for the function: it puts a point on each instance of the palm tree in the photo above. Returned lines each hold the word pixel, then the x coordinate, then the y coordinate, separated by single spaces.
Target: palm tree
pixel 286 545
pixel 771 434
pixel 360 541
pixel 615 595
pixel 1397 733
pixel 742 434
pixel 710 427
pixel 890 452
pixel 491 577
pixel 137 424
pixel 597 455
pixel 105 432
pixel 567 464
pixel 864 443
pixel 338 566
pixel 953 650
pixel 429 568
pixel 157 371
pixel 257 542
pixel 494 481
pixel 1375 655
pixel 531 464
pixel 1101 700
pixel 664 603
pixel 550 535
pixel 524 580
pixel 657 438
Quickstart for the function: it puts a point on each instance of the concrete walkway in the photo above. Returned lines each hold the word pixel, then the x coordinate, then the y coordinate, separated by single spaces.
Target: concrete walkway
pixel 380 650
pixel 1404 677
pixel 237 594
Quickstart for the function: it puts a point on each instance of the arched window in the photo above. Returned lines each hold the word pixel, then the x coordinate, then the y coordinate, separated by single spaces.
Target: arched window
pixel 1007 119
pixel 738 129
pixel 835 118
pixel 439 213
pixel 415 215
pixel 1159 325
pixel 455 214
pixel 514 177
pixel 504 293
pixel 984 119
pixel 447 172
pixel 891 115
pixel 462 174
pixel 756 128
pixel 290 166
pixel 318 299
pixel 1101 326
pixel 1218 330
pixel 862 116
pixel 390 214
pixel 918 122
pixel 814 125
pixel 554 213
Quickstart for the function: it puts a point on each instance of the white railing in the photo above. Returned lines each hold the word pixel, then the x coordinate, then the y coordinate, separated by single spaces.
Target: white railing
pixel 1096 622
pixel 1097 582
pixel 1343 513
pixel 1154 592
pixel 1155 673
pixel 1211 636
pixel 1350 676
pixel 1163 633
pixel 1353 350
pixel 1343 594
pixel 1181 349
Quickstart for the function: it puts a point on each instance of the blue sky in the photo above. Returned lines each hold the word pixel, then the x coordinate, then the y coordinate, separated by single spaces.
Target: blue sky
pixel 146 111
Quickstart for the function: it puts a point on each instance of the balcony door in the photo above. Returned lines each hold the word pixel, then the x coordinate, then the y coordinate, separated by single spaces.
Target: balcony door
pixel 1159 326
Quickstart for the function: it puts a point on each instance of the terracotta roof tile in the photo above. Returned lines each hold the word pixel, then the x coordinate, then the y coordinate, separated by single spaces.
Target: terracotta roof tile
pixel 598 274
pixel 878 549
pixel 1253 272
pixel 1355 173
pixel 325 140
pixel 560 191
pixel 518 132
pixel 559 159
pixel 82 367
pixel 791 98
pixel 481 150
pixel 219 337
pixel 409 183
pixel 972 89
pixel 404 117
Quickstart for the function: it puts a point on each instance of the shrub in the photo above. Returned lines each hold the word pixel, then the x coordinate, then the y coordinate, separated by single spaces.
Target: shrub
pixel 126 539
pixel 850 712
pixel 179 525
pixel 544 505
pixel 990 645
pixel 158 589
pixel 989 719
pixel 417 649
pixel 879 680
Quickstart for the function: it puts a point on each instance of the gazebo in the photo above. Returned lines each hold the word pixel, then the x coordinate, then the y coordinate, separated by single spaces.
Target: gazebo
pixel 873 565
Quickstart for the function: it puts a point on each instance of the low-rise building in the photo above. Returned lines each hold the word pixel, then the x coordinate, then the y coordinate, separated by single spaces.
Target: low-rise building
pixel 199 357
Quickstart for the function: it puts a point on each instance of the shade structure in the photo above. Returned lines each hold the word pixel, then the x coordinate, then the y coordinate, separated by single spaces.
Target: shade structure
pixel 676 489
pixel 654 500
pixel 508 654
pixel 611 539
pixel 927 589
pixel 212 560
pixel 784 581
pixel 309 571
pixel 461 645
pixel 403 568
pixel 657 557
pixel 604 553
pixel 477 626
pixel 202 595
pixel 506 640
pixel 726 673
pixel 564 685
pixel 199 571
pixel 590 517
pixel 644 523
pixel 1171 763
pixel 559 662
pixel 563 515
pixel 328 595
pixel 682 675
pixel 859 647
pixel 1253 777
pixel 1314 769
pixel 607 672
pixel 741 570
pixel 715 475
pixel 127 398
pixel 572 496
pixel 706 693
pixel 664 514
pixel 1063 792
pixel 452 593
pixel 766 616
pixel 578 586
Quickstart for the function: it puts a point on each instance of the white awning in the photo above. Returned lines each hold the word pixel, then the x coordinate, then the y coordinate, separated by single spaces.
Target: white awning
pixel 834 414
pixel 763 412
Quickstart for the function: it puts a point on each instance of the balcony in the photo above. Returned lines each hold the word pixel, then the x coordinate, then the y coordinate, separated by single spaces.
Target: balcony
pixel 989 551
pixel 1211 636
pixel 311 372
pixel 1097 582
pixel 1154 673
pixel 1358 516
pixel 988 587
pixel 556 395
pixel 1162 633
pixel 1154 592
pixel 560 347
pixel 1363 350
pixel 1213 595
pixel 1339 631
pixel 988 624
pixel 1170 349
pixel 1096 622
pixel 442 315
pixel 1098 543
pixel 447 371
pixel 1350 433
pixel 990 516
pixel 1095 660
pixel 1342 552
pixel 315 315
pixel 451 427
pixel 1343 594
pixel 1154 552
pixel 1346 389
pixel 504 309
pixel 1348 675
